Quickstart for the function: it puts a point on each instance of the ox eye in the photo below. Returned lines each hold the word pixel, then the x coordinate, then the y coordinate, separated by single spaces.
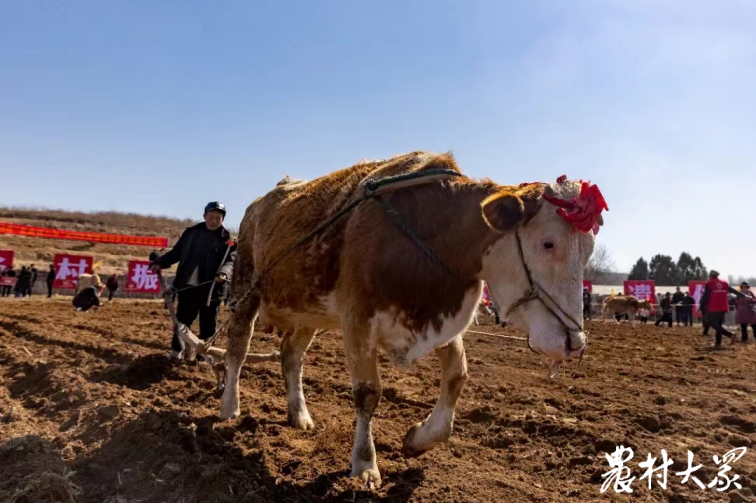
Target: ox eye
pixel 548 245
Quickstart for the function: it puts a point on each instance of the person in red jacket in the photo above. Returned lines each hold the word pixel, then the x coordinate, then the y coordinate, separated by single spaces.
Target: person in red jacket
pixel 716 303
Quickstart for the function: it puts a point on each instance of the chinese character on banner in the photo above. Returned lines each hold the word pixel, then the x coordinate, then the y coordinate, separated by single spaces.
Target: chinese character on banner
pixel 68 268
pixel 6 260
pixel 696 289
pixel 641 289
pixel 588 284
pixel 140 279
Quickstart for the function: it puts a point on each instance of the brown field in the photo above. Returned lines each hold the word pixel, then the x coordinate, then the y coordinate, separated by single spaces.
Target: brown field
pixel 114 258
pixel 91 411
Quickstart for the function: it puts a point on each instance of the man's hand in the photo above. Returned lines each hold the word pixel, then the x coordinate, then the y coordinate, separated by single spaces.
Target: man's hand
pixel 221 278
pixel 154 267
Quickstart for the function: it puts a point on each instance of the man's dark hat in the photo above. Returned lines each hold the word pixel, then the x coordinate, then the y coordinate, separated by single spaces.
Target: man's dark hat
pixel 216 206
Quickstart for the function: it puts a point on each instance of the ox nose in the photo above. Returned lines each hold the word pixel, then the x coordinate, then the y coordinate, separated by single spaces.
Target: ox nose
pixel 575 343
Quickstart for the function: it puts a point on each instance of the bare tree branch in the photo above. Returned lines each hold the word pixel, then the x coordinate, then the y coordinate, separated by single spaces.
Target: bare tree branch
pixel 600 265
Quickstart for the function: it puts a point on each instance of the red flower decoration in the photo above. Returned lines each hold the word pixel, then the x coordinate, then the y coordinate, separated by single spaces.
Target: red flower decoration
pixel 582 213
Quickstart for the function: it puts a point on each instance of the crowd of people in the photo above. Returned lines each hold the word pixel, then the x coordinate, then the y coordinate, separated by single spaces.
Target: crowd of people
pixel 714 305
pixel 25 278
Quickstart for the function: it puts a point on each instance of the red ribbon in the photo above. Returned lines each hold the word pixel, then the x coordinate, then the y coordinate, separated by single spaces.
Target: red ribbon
pixel 582 213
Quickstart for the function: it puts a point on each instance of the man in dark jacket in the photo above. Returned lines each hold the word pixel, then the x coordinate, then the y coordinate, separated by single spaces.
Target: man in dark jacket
pixel 32 280
pixel 112 286
pixel 23 282
pixel 715 303
pixel 50 280
pixel 677 299
pixel 205 254
pixel 666 306
pixel 587 301
pixel 688 302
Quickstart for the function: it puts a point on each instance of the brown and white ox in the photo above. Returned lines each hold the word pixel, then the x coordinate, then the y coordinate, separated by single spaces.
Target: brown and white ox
pixel 623 304
pixel 366 277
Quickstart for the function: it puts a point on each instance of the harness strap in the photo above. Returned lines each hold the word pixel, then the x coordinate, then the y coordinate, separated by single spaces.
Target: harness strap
pixel 391 211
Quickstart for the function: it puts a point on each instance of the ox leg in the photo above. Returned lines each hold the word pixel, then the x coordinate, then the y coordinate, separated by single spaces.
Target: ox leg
pixel 367 391
pixel 293 348
pixel 437 428
pixel 239 334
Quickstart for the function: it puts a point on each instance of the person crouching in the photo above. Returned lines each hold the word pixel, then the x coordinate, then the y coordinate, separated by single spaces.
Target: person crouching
pixel 88 297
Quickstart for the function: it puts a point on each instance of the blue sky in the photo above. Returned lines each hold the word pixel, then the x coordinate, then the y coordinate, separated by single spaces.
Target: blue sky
pixel 159 107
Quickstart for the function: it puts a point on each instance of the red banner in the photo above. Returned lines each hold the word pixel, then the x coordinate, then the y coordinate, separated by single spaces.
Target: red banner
pixel 641 289
pixel 7 281
pixel 588 284
pixel 696 289
pixel 6 260
pixel 93 237
pixel 68 268
pixel 140 279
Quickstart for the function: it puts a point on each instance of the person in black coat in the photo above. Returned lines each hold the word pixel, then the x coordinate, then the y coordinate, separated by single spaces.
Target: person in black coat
pixel 23 282
pixel 677 299
pixel 112 286
pixel 205 255
pixel 50 280
pixel 688 302
pixel 587 301
pixel 86 299
pixel 666 307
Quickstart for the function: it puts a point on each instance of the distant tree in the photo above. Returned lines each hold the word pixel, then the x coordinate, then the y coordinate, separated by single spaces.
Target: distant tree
pixel 639 270
pixel 664 271
pixel 600 265
pixel 700 271
pixel 687 266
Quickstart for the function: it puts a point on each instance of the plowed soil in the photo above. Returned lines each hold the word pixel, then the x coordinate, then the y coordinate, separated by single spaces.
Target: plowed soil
pixel 92 411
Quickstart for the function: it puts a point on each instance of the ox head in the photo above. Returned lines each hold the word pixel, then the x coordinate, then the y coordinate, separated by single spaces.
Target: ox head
pixel 645 304
pixel 535 268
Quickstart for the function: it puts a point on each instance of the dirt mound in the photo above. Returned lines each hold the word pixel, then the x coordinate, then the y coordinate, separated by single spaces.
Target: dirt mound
pixel 34 472
pixel 91 412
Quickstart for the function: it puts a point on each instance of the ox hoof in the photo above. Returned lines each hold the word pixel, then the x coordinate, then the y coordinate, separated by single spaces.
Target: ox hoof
pixel 229 407
pixel 371 478
pixel 301 421
pixel 410 449
pixel 417 441
pixel 227 416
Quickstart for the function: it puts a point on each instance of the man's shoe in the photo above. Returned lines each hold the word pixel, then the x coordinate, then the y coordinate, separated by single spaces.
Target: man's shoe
pixel 175 355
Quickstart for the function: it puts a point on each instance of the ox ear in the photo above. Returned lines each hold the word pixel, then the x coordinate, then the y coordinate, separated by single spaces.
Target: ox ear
pixel 503 212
